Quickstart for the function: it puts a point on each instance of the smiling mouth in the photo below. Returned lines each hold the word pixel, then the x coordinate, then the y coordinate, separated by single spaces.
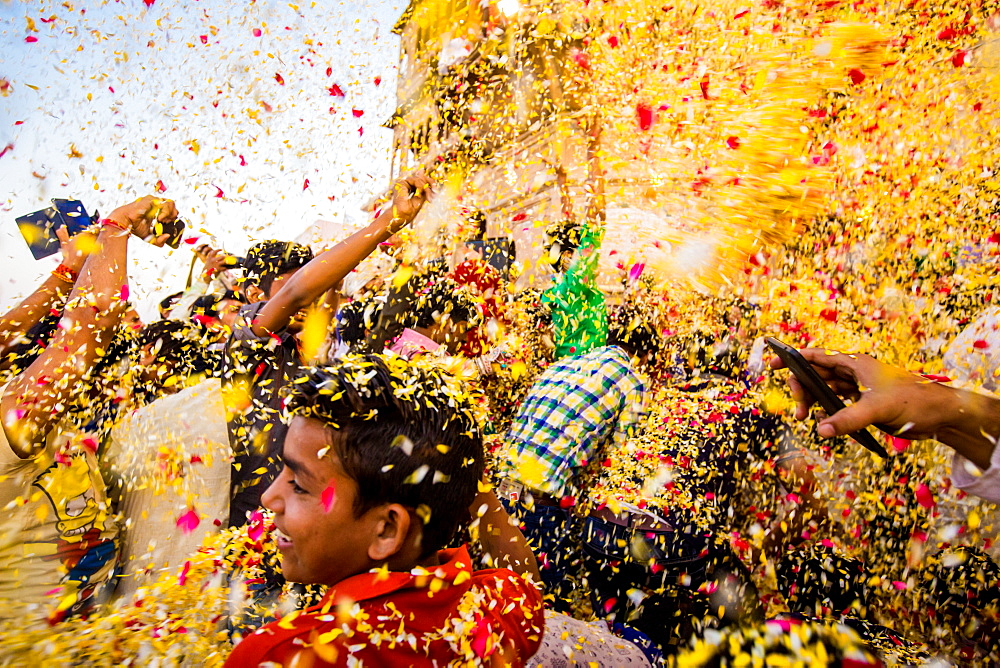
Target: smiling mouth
pixel 281 538
pixel 79 530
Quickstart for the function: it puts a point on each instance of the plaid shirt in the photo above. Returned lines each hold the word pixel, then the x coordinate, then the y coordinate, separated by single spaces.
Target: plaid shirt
pixel 576 408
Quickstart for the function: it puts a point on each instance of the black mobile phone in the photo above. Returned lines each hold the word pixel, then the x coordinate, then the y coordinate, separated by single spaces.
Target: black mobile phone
pixel 817 387
pixel 175 229
pixel 39 228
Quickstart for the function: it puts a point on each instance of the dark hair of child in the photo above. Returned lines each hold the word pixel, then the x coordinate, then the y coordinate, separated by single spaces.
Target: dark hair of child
pixel 405 431
pixel 268 260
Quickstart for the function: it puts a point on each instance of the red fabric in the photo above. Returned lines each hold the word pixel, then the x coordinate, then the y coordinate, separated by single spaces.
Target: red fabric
pixel 486 281
pixel 398 619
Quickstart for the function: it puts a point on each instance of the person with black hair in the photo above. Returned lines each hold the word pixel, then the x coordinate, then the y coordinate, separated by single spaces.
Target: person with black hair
pixel 216 278
pixel 281 281
pixel 441 318
pixel 375 482
pixel 664 508
pixel 579 407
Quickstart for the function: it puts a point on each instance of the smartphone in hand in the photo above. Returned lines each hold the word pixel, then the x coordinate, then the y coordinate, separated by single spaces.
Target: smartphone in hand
pixel 39 228
pixel 813 384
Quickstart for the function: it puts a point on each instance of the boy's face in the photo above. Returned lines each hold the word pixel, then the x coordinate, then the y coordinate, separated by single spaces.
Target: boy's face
pixel 320 539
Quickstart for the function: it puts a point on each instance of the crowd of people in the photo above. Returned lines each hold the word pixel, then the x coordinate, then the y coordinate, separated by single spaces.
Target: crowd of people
pixel 431 468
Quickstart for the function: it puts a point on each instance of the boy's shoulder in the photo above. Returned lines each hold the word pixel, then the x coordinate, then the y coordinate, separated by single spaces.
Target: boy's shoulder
pixel 429 616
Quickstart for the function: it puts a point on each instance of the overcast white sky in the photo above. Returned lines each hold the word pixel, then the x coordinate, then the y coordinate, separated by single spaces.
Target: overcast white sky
pixel 186 93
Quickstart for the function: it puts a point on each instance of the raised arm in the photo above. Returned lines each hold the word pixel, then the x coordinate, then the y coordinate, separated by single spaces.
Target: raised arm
pixel 330 267
pixel 50 294
pixel 34 401
pixel 911 406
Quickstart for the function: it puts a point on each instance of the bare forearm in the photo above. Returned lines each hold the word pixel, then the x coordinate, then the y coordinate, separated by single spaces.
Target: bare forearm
pixel 322 273
pixel 972 425
pixel 37 396
pixel 16 322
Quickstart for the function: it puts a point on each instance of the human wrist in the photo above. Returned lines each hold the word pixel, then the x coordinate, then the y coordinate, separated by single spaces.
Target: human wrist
pixel 116 223
pixel 66 273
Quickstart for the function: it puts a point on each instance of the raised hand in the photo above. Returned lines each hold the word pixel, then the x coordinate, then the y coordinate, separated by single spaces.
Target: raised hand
pixel 141 215
pixel 408 197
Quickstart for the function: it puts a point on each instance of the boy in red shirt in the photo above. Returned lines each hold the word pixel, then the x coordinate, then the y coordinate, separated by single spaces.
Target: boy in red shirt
pixel 381 463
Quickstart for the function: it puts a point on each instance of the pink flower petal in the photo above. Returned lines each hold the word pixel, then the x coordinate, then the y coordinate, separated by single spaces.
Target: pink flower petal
pixel 328 497
pixel 189 521
pixel 255 528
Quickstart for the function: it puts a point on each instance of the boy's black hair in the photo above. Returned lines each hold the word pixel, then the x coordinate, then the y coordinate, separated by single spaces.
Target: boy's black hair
pixel 405 431
pixel 209 304
pixel 445 296
pixel 270 259
pixel 630 330
pixel 563 235
pixel 181 342
pixel 356 318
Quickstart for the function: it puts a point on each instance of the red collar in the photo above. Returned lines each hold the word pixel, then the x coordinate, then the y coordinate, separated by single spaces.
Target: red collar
pixel 375 584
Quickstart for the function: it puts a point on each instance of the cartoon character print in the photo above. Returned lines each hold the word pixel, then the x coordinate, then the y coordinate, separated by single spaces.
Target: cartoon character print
pixel 87 558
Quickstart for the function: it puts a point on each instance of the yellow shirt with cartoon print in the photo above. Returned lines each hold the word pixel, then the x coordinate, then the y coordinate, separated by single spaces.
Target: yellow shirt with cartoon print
pixel 58 534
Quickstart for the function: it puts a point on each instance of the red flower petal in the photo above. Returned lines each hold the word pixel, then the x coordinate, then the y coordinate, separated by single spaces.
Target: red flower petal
pixel 124 293
pixel 378 81
pixel 256 32
pixel 280 79
pixel 30 39
pixel 857 76
pixel 947 33
pixel 336 91
pixel 188 522
pixel 980 344
pixel 328 497
pixel 358 113
pixel 959 58
pixel 159 187
pixel 218 191
pixel 646 116
pixel 204 39
pixel 924 496
pixel 306 184
pixel 733 142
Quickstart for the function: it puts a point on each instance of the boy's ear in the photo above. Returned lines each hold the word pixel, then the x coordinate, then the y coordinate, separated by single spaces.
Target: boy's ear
pixel 396 534
pixel 254 294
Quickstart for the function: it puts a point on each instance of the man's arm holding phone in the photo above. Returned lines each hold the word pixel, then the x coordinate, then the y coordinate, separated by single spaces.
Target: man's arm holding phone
pixel 34 401
pixel 911 406
pixel 330 267
pixel 51 293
